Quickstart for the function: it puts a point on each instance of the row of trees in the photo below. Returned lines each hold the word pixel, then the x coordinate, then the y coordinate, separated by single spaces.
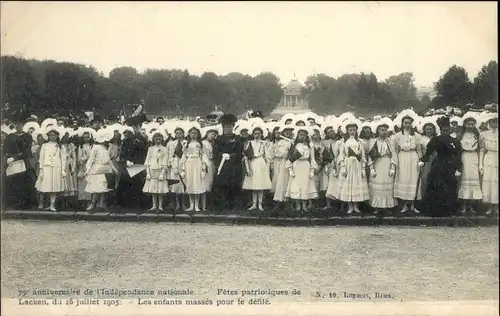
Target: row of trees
pixel 367 95
pixel 361 92
pixel 456 89
pixel 47 87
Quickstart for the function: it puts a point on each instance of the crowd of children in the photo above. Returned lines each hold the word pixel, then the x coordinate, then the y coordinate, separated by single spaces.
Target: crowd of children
pixel 437 165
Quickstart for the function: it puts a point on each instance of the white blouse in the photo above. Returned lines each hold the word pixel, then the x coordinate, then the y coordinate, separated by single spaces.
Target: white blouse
pixel 51 155
pixel 156 157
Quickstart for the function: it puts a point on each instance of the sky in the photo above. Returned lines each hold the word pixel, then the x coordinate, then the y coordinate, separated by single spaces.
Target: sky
pixel 287 38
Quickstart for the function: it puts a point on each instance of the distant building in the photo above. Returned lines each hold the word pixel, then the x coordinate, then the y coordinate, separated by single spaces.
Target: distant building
pixel 292 101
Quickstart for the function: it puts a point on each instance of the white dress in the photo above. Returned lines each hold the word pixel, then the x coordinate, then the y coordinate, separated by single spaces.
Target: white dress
pixel 193 165
pixel 156 162
pixel 382 185
pixel 302 187
pixel 173 165
pixel 405 184
pixel 70 182
pixel 99 164
pixel 259 179
pixel 268 156
pixel 208 148
pixel 489 143
pixel 52 160
pixel 470 186
pixel 82 158
pixel 280 174
pixel 332 192
pixel 353 188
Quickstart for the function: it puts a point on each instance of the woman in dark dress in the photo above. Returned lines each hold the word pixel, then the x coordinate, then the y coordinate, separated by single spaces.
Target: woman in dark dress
pixel 133 150
pixel 19 188
pixel 442 181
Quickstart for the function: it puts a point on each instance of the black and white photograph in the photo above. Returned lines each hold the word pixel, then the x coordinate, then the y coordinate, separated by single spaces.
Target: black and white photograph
pixel 249 158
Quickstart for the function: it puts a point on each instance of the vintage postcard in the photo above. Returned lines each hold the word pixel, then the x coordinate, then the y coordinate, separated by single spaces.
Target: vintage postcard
pixel 249 158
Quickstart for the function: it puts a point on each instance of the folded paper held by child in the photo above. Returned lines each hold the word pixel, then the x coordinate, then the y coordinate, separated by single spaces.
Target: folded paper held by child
pixel 135 170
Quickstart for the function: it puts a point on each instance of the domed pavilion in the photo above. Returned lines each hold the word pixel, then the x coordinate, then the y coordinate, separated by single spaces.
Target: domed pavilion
pixel 293 101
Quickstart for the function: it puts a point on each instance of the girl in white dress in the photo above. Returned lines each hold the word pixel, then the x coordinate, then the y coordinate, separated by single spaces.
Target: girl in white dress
pixel 51 175
pixel 208 147
pixel 488 163
pixel 193 165
pixel 156 183
pixel 469 191
pixel 301 167
pixel 175 150
pixel 98 166
pixel 353 187
pixel 408 150
pixel 86 136
pixel 382 165
pixel 70 187
pixel 257 178
pixel 280 174
pixel 333 180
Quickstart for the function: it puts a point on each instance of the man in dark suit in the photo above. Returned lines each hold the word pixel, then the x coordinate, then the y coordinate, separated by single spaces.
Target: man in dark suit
pixel 228 155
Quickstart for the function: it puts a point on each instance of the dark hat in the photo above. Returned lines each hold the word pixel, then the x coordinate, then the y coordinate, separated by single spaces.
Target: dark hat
pixel 136 120
pixel 443 121
pixel 97 118
pixel 257 114
pixel 228 119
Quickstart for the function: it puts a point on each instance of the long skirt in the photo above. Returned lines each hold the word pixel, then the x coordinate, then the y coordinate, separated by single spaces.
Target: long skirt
pixel 82 184
pixel 280 179
pixel 18 190
pixel 259 180
pixel 317 180
pixel 424 174
pixel 323 180
pixel 194 176
pixel 97 183
pixel 382 185
pixel 274 180
pixel 70 183
pixel 209 177
pixel 301 187
pixel 172 174
pixel 332 192
pixel 52 180
pixel 405 184
pixel 129 192
pixel 470 186
pixel 154 185
pixel 354 187
pixel 442 189
pixel 490 177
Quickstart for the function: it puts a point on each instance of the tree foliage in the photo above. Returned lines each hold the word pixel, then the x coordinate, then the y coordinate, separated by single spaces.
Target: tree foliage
pixel 454 87
pixel 486 84
pixel 48 86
